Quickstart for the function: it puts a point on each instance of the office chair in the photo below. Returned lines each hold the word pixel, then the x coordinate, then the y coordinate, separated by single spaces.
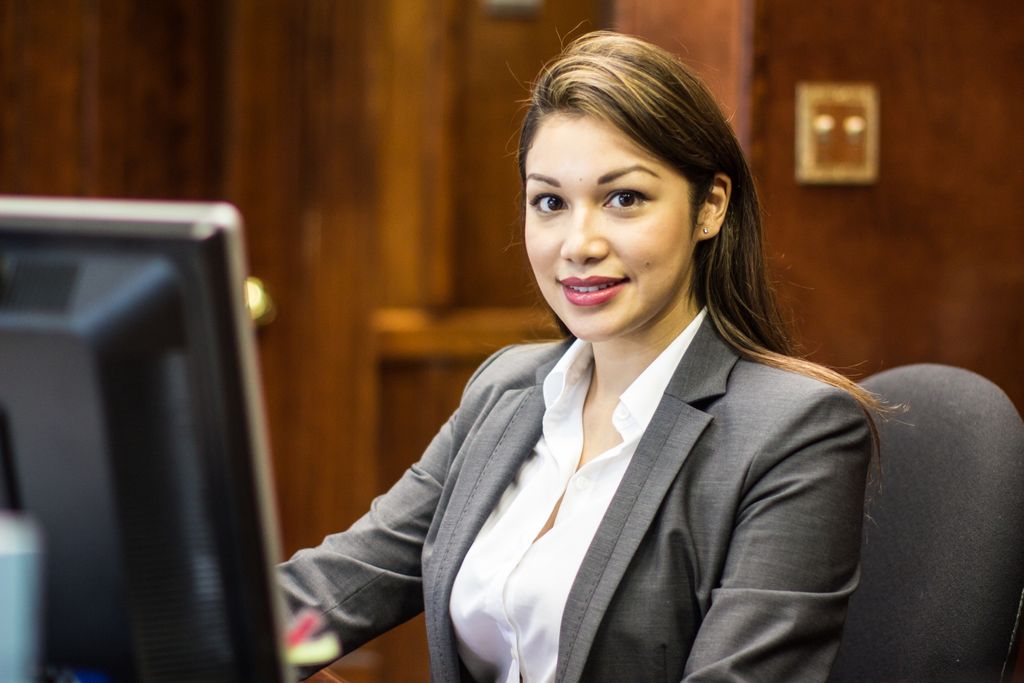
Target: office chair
pixel 943 556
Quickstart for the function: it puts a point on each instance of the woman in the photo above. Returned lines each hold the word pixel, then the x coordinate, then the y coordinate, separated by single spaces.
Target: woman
pixel 667 495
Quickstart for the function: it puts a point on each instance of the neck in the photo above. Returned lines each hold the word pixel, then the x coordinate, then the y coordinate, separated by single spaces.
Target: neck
pixel 618 362
pixel 616 366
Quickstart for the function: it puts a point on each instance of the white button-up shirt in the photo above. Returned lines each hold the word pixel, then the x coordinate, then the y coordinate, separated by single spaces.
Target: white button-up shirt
pixel 510 592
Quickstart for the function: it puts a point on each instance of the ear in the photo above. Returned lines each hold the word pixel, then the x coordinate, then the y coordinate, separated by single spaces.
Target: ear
pixel 712 214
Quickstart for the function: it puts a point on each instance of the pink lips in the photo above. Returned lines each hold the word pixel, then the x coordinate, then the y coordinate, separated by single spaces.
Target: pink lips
pixel 591 291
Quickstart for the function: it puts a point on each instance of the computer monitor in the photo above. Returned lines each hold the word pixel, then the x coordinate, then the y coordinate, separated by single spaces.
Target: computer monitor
pixel 131 430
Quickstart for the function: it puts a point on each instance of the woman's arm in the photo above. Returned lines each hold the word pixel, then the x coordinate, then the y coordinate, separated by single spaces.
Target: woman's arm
pixel 367 579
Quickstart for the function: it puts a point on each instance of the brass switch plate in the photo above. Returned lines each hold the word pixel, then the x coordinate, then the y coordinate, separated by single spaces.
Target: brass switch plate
pixel 836 133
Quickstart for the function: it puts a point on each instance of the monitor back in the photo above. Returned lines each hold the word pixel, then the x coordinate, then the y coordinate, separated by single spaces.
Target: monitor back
pixel 131 429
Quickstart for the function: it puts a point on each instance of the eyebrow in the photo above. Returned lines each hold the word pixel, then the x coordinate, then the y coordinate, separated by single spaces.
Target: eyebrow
pixel 544 179
pixel 614 175
pixel 603 180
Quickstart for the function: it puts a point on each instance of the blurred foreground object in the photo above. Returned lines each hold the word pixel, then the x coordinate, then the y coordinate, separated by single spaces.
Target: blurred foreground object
pixel 20 599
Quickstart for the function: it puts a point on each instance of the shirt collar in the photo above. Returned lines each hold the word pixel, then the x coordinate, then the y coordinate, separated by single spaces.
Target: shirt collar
pixel 567 372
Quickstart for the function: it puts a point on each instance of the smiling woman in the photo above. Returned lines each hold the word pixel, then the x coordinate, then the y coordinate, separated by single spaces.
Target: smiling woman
pixel 668 494
pixel 610 237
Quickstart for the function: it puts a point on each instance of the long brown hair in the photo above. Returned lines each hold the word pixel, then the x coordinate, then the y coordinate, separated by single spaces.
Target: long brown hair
pixel 663 107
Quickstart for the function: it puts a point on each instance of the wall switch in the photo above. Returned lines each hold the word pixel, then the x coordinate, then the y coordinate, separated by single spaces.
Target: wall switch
pixel 836 133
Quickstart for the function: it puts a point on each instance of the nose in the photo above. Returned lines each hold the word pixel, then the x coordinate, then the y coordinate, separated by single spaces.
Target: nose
pixel 584 242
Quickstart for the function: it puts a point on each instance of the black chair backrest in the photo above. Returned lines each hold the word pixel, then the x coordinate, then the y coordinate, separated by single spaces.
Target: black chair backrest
pixel 943 556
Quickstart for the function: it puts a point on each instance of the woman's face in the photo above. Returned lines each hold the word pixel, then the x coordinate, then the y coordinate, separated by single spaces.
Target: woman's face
pixel 609 235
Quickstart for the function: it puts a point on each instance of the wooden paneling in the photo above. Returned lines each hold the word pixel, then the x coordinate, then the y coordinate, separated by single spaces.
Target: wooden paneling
pixel 499 58
pixel 416 334
pixel 110 98
pixel 712 38
pixel 414 98
pixel 300 168
pixel 928 264
pixel 256 103
pixel 151 106
pixel 451 82
pixel 41 71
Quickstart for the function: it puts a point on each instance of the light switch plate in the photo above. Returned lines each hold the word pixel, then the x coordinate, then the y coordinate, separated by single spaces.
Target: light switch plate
pixel 836 133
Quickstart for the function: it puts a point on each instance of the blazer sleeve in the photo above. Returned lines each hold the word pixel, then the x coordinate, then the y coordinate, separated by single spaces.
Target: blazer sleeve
pixel 793 558
pixel 368 579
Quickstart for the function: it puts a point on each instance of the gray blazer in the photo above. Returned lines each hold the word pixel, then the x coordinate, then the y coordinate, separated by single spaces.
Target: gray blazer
pixel 728 552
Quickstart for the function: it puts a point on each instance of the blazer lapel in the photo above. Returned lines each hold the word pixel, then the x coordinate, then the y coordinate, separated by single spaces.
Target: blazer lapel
pixel 494 456
pixel 670 437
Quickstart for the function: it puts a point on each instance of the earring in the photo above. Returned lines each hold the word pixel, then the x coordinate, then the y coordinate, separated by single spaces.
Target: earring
pixel 706 231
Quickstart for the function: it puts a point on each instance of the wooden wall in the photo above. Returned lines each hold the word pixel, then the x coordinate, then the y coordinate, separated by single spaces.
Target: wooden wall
pixel 262 104
pixel 110 98
pixel 370 148
pixel 715 39
pixel 928 263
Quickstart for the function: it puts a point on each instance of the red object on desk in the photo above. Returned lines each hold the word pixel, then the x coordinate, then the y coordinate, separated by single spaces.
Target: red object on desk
pixel 305 624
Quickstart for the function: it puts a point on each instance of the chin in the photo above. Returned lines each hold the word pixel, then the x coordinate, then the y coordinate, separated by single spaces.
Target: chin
pixel 590 333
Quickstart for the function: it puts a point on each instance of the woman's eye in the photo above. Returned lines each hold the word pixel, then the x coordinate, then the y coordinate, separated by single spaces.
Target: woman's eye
pixel 547 203
pixel 625 199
